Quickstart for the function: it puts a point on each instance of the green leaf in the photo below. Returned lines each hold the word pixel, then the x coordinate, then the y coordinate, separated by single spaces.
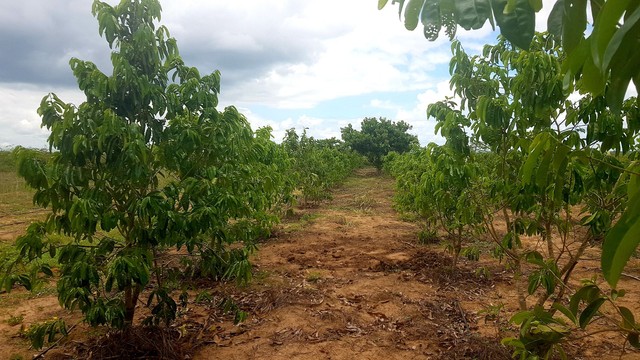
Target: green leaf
pixel 534 282
pixel 622 38
pixel 566 312
pixel 621 242
pixel 574 23
pixel 46 269
pixel 586 293
pixel 400 7
pixel 590 311
pixel 605 27
pixel 555 21
pixel 472 14
pixel 381 4
pixel 536 5
pixel 628 320
pixel 518 25
pixel 634 183
pixel 542 174
pixel 511 5
pixel 520 317
pixel 534 257
pixel 623 68
pixel 634 340
pixel 593 80
pixel 412 14
pixel 537 146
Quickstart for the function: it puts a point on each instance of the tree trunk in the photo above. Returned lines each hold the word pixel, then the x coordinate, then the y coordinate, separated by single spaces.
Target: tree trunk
pixel 131 295
pixel 548 238
pixel 517 278
pixel 457 247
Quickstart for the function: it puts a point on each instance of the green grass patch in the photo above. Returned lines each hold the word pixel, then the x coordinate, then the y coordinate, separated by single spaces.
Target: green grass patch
pixel 15 195
pixel 297 225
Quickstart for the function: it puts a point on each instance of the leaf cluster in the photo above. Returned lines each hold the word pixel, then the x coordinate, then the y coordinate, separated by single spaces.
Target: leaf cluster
pixel 600 57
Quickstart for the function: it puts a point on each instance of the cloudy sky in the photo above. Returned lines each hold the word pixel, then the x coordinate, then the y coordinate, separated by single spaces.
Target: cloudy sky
pixel 316 64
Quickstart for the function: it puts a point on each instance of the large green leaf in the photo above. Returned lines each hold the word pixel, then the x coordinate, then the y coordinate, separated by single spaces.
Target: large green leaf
pixel 536 148
pixel 605 27
pixel 472 14
pixel 431 19
pixel 555 20
pixel 622 57
pixel 590 311
pixel 412 14
pixel 574 23
pixel 621 242
pixel 624 37
pixel 518 25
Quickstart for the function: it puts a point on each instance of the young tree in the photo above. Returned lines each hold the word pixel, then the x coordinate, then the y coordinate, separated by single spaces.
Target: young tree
pixel 602 62
pixel 317 164
pixel 145 164
pixel 377 137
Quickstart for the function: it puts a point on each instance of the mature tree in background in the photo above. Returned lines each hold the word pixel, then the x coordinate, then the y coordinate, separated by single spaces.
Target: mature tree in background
pixel 602 61
pixel 377 137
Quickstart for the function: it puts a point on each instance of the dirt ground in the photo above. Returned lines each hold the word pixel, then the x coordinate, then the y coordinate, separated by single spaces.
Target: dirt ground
pixel 348 280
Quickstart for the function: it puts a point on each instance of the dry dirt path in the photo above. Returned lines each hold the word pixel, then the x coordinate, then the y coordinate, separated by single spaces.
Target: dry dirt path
pixel 353 284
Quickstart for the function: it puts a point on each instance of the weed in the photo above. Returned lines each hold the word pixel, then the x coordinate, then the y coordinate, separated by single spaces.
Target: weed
pixel 261 276
pixel 204 297
pixel 300 224
pixel 492 312
pixel 309 217
pixel 15 320
pixel 472 253
pixel 483 273
pixel 314 276
pixel 427 236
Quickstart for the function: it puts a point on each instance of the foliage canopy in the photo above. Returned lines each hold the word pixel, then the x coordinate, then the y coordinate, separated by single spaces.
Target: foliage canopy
pixel 377 137
pixel 146 163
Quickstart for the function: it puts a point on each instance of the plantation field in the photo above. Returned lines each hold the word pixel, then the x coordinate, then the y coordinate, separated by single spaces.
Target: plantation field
pixel 342 280
pixel 16 205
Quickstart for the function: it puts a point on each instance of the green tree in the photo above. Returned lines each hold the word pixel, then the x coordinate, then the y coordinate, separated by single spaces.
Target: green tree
pixel 546 154
pixel 377 137
pixel 317 164
pixel 145 164
pixel 600 58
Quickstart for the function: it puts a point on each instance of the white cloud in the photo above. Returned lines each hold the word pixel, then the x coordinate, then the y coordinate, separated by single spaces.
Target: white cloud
pixel 631 90
pixel 320 128
pixel 384 104
pixel 276 54
pixel 19 118
pixel 359 59
pixel 424 127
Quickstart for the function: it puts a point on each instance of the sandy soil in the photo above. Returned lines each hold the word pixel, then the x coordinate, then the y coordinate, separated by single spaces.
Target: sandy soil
pixel 353 283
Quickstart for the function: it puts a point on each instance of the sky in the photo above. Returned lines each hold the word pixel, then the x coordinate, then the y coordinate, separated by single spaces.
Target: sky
pixel 316 64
